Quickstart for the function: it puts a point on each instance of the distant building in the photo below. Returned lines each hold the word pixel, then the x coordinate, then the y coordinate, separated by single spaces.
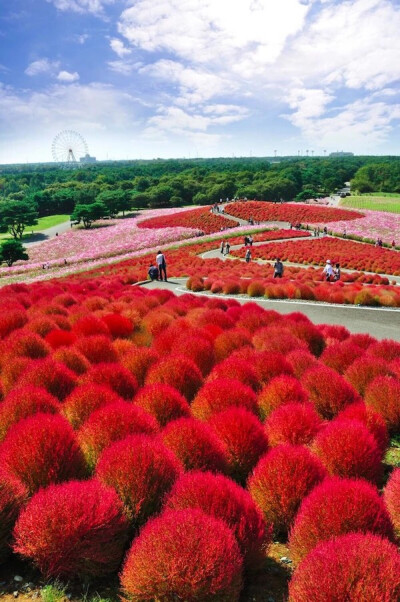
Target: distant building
pixel 87 159
pixel 341 154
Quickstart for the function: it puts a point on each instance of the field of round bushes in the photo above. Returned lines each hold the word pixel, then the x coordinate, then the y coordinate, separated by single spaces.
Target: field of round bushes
pixel 170 440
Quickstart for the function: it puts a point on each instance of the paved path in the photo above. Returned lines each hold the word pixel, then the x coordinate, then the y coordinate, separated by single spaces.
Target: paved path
pixel 382 323
pixel 38 237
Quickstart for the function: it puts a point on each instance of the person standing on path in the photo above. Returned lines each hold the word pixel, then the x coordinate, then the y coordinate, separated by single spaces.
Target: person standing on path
pixel 336 272
pixel 227 248
pixel 328 270
pixel 248 256
pixel 278 268
pixel 222 248
pixel 162 266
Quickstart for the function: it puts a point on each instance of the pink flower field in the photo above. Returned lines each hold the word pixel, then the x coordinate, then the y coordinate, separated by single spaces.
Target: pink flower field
pixel 375 224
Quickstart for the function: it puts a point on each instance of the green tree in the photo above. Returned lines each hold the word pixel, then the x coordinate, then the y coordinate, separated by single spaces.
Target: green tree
pixel 115 201
pixel 87 214
pixel 16 215
pixel 11 251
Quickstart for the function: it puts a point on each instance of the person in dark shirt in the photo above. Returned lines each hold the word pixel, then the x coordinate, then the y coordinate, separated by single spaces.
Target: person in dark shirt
pixel 278 268
pixel 153 272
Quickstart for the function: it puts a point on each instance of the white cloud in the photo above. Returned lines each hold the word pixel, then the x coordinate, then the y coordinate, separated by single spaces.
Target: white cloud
pixel 66 76
pixel 119 48
pixel 42 66
pixel 124 67
pixel 95 7
pixel 81 38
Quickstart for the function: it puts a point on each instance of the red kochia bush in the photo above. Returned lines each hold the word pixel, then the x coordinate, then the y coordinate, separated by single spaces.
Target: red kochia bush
pixel 26 344
pixel 183 555
pixel 76 529
pixel 119 326
pixel 115 376
pixel 97 348
pixel 177 371
pixel 279 391
pixel 220 497
pixel 51 375
pixel 364 370
pixel 73 359
pixel 220 394
pixel 163 402
pixel 235 368
pixel 295 423
pixel 11 320
pixel 372 420
pixel 84 400
pixel 23 402
pixel 40 450
pixel 196 445
pixel 138 361
pixel 328 390
pixel 244 439
pixel 230 340
pixel 362 568
pixel 340 356
pixel 60 338
pixel 392 499
pixel 90 325
pixel 12 497
pixel 347 449
pixel 110 423
pixel 301 360
pixel 141 470
pixel 336 507
pixel 280 481
pixel 383 395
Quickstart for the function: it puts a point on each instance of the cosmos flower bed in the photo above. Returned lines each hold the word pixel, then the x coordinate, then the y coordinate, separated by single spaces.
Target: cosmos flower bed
pixel 289 212
pixel 349 254
pixel 374 224
pixel 141 432
pixel 199 219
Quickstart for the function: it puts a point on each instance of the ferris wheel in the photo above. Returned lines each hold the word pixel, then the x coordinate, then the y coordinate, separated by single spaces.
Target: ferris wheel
pixel 68 147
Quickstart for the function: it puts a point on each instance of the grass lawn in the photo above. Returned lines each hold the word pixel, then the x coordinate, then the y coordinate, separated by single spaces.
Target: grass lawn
pixel 379 201
pixel 43 223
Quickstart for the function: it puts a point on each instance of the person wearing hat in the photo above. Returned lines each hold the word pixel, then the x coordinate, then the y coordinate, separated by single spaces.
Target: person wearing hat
pixel 328 270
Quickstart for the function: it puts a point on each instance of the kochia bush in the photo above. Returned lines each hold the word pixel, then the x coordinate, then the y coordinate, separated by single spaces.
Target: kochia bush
pixel 220 394
pixel 84 400
pixel 52 376
pixel 280 481
pixel 183 555
pixel 176 371
pixel 163 402
pixel 110 423
pixel 364 370
pixel 328 390
pixel 40 450
pixel 76 529
pixel 235 368
pixel 23 402
pixel 347 449
pixel 244 439
pixel 196 445
pixel 371 419
pixel 383 395
pixel 115 376
pixel 392 499
pixel 296 423
pixel 220 497
pixel 362 567
pixel 97 348
pixel 279 391
pixel 119 326
pixel 13 495
pixel 141 470
pixel 336 507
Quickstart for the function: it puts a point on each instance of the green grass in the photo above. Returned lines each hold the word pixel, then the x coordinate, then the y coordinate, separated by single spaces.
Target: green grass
pixel 43 223
pixel 380 201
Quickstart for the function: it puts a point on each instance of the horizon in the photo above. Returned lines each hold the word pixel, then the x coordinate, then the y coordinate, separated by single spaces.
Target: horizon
pixel 146 78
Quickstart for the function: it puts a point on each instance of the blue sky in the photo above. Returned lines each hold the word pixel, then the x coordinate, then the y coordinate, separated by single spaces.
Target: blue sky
pixel 186 78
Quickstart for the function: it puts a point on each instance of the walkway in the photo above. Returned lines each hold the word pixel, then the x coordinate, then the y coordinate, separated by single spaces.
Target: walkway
pixel 38 237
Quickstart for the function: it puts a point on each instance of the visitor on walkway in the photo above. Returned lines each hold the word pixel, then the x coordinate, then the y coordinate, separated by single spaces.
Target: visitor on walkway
pixel 222 247
pixel 251 241
pixel 162 266
pixel 246 241
pixel 336 272
pixel 248 256
pixel 153 272
pixel 393 244
pixel 227 248
pixel 278 268
pixel 328 270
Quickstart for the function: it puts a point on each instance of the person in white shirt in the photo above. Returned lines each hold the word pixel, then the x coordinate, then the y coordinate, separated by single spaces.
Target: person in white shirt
pixel 162 266
pixel 328 270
